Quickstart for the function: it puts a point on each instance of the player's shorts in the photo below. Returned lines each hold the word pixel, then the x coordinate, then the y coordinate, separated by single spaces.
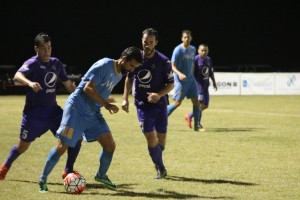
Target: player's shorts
pixel 153 118
pixel 204 98
pixel 75 123
pixel 38 121
pixel 185 89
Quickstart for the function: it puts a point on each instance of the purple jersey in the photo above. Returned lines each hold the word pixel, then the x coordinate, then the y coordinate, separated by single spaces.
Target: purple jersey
pixel 203 70
pixel 46 74
pixel 152 76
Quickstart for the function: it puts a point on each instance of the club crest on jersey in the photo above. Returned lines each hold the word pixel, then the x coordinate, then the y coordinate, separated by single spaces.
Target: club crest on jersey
pixel 109 85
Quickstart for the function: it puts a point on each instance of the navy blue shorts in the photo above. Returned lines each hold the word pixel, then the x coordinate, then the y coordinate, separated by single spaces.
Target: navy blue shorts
pixel 153 118
pixel 38 121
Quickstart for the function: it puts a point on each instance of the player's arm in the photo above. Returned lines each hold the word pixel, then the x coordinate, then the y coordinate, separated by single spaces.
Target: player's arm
pixel 69 85
pixel 91 90
pixel 154 97
pixel 20 78
pixel 214 81
pixel 181 76
pixel 127 89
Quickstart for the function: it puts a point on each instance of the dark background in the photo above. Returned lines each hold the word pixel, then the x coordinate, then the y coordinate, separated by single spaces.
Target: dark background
pixel 239 33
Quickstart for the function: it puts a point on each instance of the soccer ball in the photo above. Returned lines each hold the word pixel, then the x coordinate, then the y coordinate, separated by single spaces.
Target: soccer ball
pixel 74 183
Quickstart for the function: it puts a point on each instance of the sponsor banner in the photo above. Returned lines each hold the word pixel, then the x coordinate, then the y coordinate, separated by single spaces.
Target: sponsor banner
pixel 227 84
pixel 257 84
pixel 287 83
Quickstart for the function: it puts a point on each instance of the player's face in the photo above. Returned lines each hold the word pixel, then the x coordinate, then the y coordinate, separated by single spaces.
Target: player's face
pixel 129 66
pixel 44 51
pixel 186 39
pixel 203 51
pixel 149 43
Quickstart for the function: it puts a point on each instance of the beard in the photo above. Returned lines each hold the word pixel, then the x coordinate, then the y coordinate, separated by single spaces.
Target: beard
pixel 148 52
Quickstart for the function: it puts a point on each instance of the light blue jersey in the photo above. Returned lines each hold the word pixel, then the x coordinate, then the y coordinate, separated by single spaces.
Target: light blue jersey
pixel 184 59
pixel 104 75
pixel 81 113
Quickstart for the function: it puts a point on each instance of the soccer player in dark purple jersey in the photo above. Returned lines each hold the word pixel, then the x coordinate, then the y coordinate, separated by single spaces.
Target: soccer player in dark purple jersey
pixel 41 111
pixel 203 71
pixel 152 83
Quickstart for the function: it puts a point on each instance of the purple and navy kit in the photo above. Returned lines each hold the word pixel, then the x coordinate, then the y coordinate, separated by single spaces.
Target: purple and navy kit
pixel 152 76
pixel 41 111
pixel 203 71
pixel 46 74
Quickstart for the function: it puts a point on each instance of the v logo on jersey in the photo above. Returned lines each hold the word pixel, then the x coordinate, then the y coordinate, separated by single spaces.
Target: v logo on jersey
pixel 109 85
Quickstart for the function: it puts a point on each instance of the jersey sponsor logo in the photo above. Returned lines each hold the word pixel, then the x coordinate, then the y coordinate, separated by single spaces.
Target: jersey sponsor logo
pixel 50 79
pixel 144 77
pixel 109 85
pixel 205 72
pixel 42 67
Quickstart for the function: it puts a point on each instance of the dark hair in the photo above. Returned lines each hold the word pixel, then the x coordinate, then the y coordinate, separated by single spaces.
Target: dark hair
pixel 151 31
pixel 188 32
pixel 133 53
pixel 41 38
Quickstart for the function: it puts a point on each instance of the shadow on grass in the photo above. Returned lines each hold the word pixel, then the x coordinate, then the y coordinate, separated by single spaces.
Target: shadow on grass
pixel 232 129
pixel 212 181
pixel 124 191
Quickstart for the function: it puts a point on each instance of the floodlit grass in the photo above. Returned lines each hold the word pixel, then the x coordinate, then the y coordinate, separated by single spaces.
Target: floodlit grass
pixel 250 150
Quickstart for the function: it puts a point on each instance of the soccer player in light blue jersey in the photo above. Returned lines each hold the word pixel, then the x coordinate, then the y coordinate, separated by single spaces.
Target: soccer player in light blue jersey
pixel 82 113
pixel 41 112
pixel 203 71
pixel 152 82
pixel 184 80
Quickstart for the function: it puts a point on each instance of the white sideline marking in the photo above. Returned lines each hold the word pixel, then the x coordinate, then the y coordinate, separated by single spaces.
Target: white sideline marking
pixel 255 113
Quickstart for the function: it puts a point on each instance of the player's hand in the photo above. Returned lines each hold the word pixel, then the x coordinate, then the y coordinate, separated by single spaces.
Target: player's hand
pixel 153 97
pixel 125 106
pixel 112 108
pixel 182 77
pixel 35 86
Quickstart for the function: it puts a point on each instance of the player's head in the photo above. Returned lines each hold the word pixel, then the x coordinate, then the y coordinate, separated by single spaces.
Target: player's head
pixel 149 41
pixel 42 46
pixel 131 58
pixel 186 37
pixel 203 50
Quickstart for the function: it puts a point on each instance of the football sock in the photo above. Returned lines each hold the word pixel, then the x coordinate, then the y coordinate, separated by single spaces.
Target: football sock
pixel 105 160
pixel 170 109
pixel 72 155
pixel 156 156
pixel 51 161
pixel 162 147
pixel 196 111
pixel 12 156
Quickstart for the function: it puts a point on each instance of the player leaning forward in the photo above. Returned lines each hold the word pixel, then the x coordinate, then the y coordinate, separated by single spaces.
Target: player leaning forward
pixel 82 114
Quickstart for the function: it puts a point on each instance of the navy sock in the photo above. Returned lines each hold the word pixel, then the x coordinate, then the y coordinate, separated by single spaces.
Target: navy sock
pixel 156 156
pixel 12 156
pixel 162 147
pixel 72 155
pixel 197 113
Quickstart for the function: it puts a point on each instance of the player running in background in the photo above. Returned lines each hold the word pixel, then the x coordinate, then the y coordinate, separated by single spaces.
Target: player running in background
pixel 41 111
pixel 203 71
pixel 82 113
pixel 184 80
pixel 152 82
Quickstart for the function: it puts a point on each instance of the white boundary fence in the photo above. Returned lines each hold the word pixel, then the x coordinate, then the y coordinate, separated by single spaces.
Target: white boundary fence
pixel 256 83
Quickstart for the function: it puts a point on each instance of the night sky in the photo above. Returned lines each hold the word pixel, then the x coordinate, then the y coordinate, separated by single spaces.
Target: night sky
pixel 82 32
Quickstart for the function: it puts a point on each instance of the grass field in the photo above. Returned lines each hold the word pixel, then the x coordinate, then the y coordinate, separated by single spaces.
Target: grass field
pixel 250 150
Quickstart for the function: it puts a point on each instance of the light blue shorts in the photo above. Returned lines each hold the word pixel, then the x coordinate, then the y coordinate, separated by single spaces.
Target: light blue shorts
pixel 75 124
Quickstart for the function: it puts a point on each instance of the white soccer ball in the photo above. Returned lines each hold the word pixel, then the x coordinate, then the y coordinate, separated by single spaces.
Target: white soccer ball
pixel 74 183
